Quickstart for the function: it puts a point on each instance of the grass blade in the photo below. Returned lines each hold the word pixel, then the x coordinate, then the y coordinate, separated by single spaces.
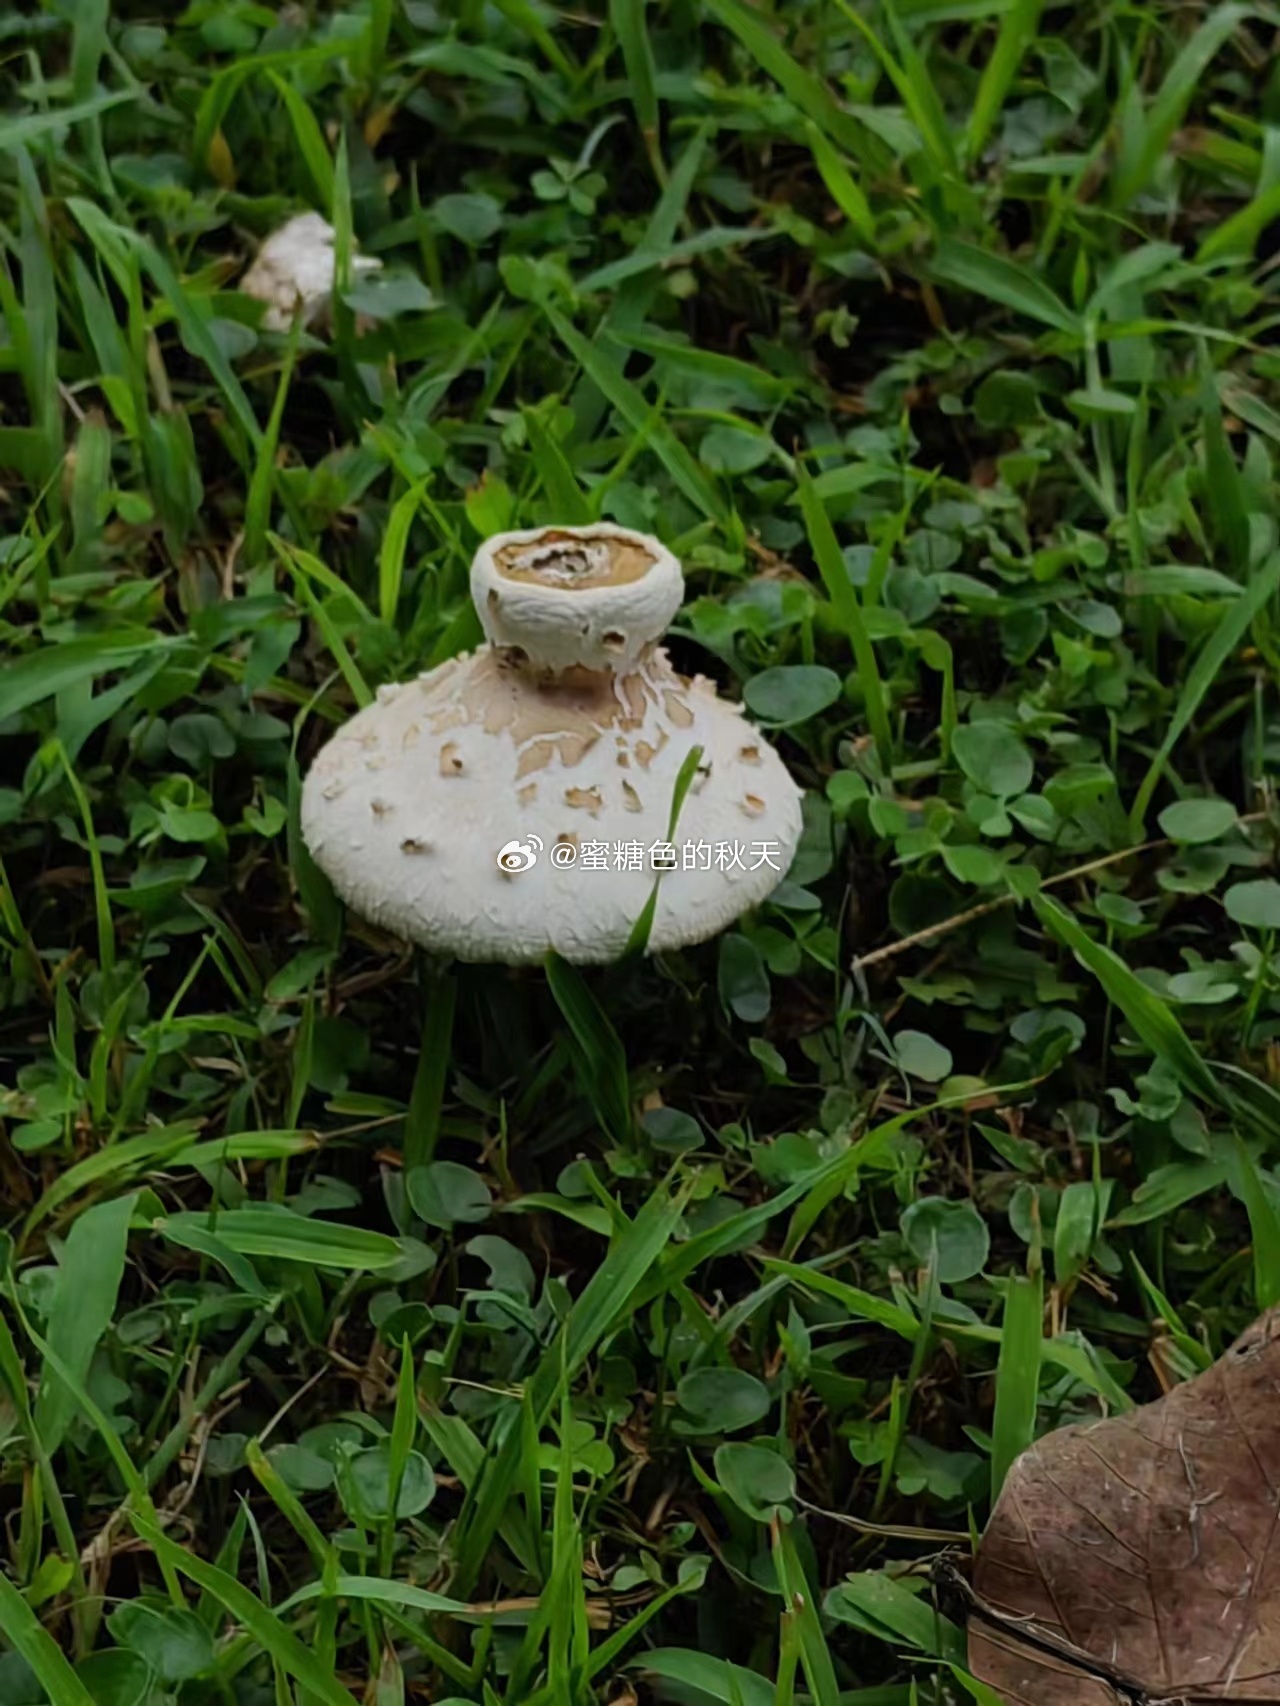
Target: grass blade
pixel 568 501
pixel 248 1610
pixel 612 1292
pixel 844 190
pixel 26 1636
pixel 282 1236
pixel 1017 31
pixel 89 1276
pixel 815 1655
pixel 1237 237
pixel 1139 159
pixel 311 143
pixel 598 1052
pixel 1017 1374
pixel 801 87
pixel 629 403
pixel 1223 487
pixel 1001 280
pixel 910 77
pixel 1150 1017
pixel 1264 1226
pixel 42 674
pixel 422 1122
pixel 632 30
pixel 306 568
pixel 257 509
pixel 1236 621
pixel 17 132
pixel 848 611
pixel 638 940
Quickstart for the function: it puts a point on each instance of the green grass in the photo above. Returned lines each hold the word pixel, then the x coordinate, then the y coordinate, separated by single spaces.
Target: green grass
pixel 378 1331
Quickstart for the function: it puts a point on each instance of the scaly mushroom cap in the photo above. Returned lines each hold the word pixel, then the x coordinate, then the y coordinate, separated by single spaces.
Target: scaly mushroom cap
pixel 468 810
pixel 296 265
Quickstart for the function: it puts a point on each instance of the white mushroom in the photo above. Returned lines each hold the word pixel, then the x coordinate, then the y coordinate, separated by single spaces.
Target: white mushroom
pixel 518 799
pixel 296 265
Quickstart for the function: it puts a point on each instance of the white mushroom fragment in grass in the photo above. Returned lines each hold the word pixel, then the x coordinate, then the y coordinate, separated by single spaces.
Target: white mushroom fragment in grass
pixel 296 265
pixel 568 730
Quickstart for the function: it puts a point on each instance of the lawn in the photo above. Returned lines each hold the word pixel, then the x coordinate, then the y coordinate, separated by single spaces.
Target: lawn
pixel 380 1330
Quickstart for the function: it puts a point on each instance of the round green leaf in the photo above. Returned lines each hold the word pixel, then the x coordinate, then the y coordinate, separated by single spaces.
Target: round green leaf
pixel 199 737
pixel 732 450
pixel 305 1471
pixel 473 219
pixel 673 1132
pixel 1256 905
pixel 510 1270
pixel 383 296
pixel 331 1440
pixel 1192 821
pixel 19 1685
pixel 444 1193
pixel 174 1643
pixel 1006 398
pixel 113 1678
pixel 951 1234
pixel 977 865
pixel 757 1479
pixel 366 1484
pixel 743 978
pixel 919 1055
pixel 791 692
pixel 720 1401
pixel 993 757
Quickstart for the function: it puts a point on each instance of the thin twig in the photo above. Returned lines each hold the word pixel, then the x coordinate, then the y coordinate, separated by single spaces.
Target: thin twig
pixel 861 961
pixel 891 1530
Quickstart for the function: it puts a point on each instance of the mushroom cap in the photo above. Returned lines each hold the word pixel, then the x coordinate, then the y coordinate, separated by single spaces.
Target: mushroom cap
pixel 296 264
pixel 597 596
pixel 495 807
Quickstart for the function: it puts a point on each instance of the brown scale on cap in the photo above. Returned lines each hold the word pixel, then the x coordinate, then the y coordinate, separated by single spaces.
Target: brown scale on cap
pixel 562 717
pixel 646 752
pixel 576 705
pixel 536 757
pixel 677 710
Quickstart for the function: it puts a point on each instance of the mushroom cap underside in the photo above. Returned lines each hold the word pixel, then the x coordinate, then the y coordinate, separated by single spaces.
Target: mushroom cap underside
pixel 409 806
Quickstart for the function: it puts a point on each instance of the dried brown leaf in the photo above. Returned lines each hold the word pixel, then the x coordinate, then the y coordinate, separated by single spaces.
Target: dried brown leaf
pixel 1135 1560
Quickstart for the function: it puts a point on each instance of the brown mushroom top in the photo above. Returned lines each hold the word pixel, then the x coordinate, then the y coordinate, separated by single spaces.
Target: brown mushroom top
pixel 582 559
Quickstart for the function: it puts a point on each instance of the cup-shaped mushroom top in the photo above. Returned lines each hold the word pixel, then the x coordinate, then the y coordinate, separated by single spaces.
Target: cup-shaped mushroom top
pixel 593 597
